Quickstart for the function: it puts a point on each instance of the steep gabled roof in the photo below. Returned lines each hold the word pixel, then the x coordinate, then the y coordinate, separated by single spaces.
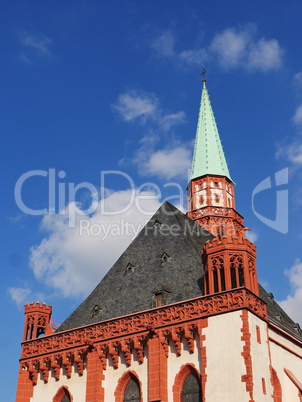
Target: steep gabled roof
pixel 278 316
pixel 208 157
pixel 163 259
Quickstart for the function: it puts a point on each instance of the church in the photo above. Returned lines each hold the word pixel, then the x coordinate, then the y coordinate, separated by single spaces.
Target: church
pixel 180 317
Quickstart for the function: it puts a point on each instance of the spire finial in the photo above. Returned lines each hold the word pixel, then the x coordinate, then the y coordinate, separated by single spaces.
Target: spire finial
pixel 203 73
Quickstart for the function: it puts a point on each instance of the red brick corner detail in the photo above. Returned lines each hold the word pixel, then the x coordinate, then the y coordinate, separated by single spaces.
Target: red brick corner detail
pixel 277 390
pixel 246 354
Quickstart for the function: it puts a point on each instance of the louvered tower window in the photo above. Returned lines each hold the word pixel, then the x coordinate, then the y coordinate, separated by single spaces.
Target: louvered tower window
pixel 66 398
pixel 132 392
pixel 191 391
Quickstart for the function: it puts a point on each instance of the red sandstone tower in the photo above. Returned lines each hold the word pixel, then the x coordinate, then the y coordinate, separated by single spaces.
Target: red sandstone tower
pixel 230 259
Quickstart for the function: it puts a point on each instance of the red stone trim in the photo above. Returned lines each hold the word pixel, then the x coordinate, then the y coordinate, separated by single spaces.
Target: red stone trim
pixel 129 333
pixel 184 371
pixel 263 386
pixel 157 369
pixel 285 347
pixel 258 334
pixel 285 334
pixel 94 390
pixel 25 387
pixel 246 337
pixel 295 380
pixel 122 384
pixel 61 393
pixel 139 323
pixel 203 357
pixel 277 389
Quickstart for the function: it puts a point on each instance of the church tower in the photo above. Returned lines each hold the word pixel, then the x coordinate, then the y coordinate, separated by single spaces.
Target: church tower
pixel 230 259
pixel 161 326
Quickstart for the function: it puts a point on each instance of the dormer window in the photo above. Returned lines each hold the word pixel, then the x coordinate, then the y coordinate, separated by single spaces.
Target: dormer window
pixel 165 258
pixel 160 296
pixel 158 299
pixel 130 268
pixel 96 310
pixel 157 224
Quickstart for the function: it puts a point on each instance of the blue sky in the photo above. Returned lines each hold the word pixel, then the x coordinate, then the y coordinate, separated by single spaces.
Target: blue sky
pixel 96 86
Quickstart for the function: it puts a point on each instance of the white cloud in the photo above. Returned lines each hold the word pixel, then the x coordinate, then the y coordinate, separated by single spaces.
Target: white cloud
pixel 145 107
pixel 297 118
pixel 292 152
pixel 167 163
pixel 135 105
pixel 40 44
pixel 20 295
pixel 164 44
pixel 298 79
pixel 167 121
pixel 194 57
pixel 265 55
pixel 251 236
pixel 231 48
pixel 240 48
pixel 72 260
pixel 292 304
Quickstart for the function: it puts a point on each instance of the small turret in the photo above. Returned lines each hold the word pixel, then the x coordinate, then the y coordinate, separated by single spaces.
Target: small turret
pixel 37 320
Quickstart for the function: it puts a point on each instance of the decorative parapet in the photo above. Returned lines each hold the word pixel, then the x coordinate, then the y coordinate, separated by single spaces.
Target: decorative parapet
pixel 140 324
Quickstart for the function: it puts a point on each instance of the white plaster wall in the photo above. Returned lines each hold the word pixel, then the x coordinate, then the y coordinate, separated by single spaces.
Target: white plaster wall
pixel 260 359
pixel 175 362
pixel 225 365
pixel 113 375
pixel 76 386
pixel 282 358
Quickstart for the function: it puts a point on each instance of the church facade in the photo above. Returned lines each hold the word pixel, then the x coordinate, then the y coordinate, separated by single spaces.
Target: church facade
pixel 180 317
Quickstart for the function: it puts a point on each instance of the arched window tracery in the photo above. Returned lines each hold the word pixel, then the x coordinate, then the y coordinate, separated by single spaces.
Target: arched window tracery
pixel 191 391
pixel 132 391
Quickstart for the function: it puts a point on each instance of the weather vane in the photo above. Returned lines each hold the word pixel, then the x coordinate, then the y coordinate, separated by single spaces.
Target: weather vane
pixel 203 73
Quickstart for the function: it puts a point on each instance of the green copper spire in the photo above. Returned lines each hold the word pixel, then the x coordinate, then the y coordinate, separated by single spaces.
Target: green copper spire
pixel 208 155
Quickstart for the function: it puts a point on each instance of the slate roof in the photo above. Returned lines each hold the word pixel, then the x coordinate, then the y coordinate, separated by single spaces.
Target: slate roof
pixel 278 316
pixel 164 257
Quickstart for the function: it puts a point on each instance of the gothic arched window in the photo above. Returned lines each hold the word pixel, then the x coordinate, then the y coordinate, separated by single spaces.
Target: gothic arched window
pixel 66 398
pixel 191 391
pixel 132 391
pixel 62 395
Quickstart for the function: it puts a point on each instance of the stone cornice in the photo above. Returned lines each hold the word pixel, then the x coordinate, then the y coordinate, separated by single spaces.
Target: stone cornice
pixel 141 323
